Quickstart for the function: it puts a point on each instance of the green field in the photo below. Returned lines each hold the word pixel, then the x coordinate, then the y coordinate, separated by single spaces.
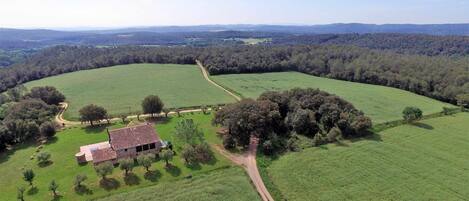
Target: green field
pixel 64 166
pixel 424 161
pixel 225 184
pixel 121 89
pixel 380 103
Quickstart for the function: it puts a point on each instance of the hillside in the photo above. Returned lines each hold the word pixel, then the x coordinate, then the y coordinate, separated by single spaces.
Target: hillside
pixel 424 161
pixel 380 103
pixel 121 89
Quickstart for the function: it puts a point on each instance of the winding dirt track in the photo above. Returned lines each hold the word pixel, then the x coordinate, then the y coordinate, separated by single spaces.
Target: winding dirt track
pixel 247 160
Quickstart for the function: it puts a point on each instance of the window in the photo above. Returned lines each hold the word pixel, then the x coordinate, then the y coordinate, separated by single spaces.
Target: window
pixel 125 150
pixel 145 147
pixel 152 146
pixel 139 148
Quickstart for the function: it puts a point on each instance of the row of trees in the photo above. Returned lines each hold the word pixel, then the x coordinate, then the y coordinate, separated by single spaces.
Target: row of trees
pixel 441 77
pixel 276 117
pixel 28 115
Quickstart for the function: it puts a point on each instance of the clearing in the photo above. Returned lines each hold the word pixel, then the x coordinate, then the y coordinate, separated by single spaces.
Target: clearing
pixel 64 166
pixel 120 89
pixel 380 103
pixel 424 161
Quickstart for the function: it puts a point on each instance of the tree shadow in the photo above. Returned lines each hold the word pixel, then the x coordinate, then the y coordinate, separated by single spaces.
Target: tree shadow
pixel 5 155
pixel 173 170
pixel 95 129
pixel 57 198
pixel 51 140
pixel 422 125
pixel 32 191
pixel 109 184
pixel 131 179
pixel 45 164
pixel 152 175
pixel 83 190
pixel 194 166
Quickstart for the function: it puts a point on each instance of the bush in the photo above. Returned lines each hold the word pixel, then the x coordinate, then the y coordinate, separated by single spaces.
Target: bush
pixel 189 154
pixel 47 129
pixel 43 157
pixel 412 114
pixel 334 135
pixel 203 152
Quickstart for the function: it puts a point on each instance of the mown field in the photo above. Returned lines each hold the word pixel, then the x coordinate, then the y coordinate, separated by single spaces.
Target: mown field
pixel 121 89
pixel 231 184
pixel 380 103
pixel 424 161
pixel 64 167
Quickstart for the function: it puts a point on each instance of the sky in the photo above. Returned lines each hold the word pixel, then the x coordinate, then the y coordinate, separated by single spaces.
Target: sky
pixel 128 13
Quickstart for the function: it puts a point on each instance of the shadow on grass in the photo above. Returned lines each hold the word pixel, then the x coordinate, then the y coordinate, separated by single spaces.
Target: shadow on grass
pixel 131 179
pixel 83 190
pixel 194 166
pixel 45 164
pixel 5 155
pixel 109 184
pixel 33 190
pixel 152 175
pixel 422 125
pixel 95 129
pixel 57 198
pixel 173 170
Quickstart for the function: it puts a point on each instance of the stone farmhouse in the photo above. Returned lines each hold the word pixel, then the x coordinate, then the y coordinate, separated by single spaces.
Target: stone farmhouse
pixel 128 142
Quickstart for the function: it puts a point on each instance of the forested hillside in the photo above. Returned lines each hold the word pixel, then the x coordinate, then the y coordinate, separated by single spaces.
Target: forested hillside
pixel 439 77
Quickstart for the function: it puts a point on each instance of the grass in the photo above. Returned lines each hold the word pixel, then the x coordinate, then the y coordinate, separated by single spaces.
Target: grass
pixel 64 167
pixel 121 89
pixel 380 103
pixel 423 161
pixel 224 184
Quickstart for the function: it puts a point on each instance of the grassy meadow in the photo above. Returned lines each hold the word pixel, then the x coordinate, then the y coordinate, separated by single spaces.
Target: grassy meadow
pixel 120 89
pixel 64 166
pixel 378 102
pixel 231 184
pixel 424 161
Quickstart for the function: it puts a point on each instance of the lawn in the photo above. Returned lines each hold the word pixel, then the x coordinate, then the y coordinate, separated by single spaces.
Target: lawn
pixel 424 161
pixel 64 166
pixel 224 184
pixel 382 104
pixel 121 89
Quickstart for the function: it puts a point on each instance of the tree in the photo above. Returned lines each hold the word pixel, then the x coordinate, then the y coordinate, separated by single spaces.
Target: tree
pixel 15 93
pixel 43 157
pixel 53 186
pixel 188 132
pixel 20 194
pixel 47 129
pixel 123 117
pixel 127 165
pixel 411 114
pixel 145 161
pixel 204 109
pixel 178 111
pixel 92 113
pixel 152 105
pixel 463 100
pixel 166 155
pixel 189 154
pixel 48 94
pixel 104 169
pixel 28 175
pixel 166 111
pixel 79 179
pixel 229 142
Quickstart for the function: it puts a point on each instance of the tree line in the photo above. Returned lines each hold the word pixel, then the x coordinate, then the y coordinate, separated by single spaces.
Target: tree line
pixel 440 77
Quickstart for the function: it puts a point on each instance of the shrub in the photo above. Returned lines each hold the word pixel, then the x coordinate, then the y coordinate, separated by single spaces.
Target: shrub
pixel 79 179
pixel 189 154
pixel 203 152
pixel 412 114
pixel 43 157
pixel 48 129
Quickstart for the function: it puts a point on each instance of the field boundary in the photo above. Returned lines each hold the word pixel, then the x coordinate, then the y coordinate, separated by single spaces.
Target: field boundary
pixel 207 77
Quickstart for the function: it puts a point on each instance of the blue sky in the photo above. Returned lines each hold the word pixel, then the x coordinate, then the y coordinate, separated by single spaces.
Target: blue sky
pixel 124 13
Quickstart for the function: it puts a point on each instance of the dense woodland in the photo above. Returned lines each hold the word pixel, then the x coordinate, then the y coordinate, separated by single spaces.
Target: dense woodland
pixel 278 117
pixel 439 77
pixel 401 43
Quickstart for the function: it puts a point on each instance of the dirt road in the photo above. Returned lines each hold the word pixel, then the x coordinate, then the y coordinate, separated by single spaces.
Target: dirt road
pixel 248 161
pixel 207 77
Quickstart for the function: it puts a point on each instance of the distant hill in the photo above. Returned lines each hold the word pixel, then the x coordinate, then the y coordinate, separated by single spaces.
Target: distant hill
pixel 431 29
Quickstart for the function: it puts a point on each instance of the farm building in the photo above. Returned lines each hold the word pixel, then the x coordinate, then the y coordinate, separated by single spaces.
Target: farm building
pixel 128 142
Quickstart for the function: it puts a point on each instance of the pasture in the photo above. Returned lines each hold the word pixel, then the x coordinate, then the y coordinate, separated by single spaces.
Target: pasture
pixel 380 103
pixel 64 167
pixel 120 89
pixel 229 184
pixel 423 161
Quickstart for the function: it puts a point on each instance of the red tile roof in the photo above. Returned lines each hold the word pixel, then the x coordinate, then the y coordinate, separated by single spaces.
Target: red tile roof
pixel 103 154
pixel 133 136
